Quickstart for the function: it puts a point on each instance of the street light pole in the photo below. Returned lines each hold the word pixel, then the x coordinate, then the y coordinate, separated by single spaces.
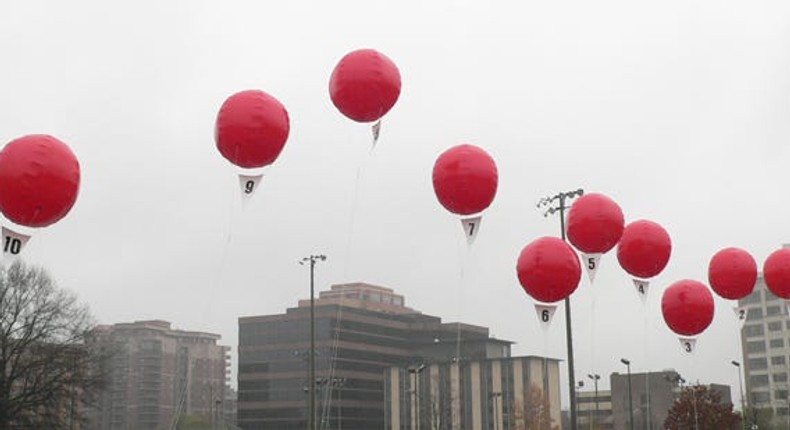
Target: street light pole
pixel 740 385
pixel 311 383
pixel 630 399
pixel 561 198
pixel 595 377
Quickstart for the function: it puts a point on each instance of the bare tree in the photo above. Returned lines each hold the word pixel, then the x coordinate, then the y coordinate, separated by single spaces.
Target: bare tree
pixel 48 369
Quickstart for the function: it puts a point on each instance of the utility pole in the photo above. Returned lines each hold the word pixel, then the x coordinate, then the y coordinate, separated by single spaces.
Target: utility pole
pixel 312 259
pixel 560 199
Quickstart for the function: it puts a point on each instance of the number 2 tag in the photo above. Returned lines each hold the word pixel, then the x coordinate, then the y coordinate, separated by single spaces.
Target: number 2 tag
pixel 13 242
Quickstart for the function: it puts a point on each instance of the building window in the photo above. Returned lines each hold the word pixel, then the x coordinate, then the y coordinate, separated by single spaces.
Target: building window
pixel 754 314
pixel 758 380
pixel 751 298
pixel 780 377
pixel 779 359
pixel 775 326
pixel 755 346
pixel 777 343
pixel 773 310
pixel 758 363
pixel 761 397
pixel 780 394
pixel 753 330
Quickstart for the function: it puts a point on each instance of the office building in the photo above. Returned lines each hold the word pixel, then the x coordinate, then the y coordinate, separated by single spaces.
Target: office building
pixel 498 394
pixel 594 409
pixel 158 374
pixel 361 330
pixel 765 343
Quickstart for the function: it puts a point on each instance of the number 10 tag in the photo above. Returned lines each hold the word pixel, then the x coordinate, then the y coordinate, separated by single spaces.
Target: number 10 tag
pixel 13 242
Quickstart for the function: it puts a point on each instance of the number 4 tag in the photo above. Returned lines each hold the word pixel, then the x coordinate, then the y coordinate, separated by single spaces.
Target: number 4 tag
pixel 13 242
pixel 545 313
pixel 641 288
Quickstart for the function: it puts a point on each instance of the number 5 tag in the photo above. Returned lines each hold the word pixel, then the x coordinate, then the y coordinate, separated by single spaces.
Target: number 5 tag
pixel 13 242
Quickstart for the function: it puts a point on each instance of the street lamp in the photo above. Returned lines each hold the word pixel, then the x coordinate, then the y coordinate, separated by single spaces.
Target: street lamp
pixel 415 371
pixel 630 399
pixel 595 377
pixel 311 381
pixel 740 385
pixel 560 198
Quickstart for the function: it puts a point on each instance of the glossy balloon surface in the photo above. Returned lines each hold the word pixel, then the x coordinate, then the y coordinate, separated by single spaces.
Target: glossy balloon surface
pixel 687 307
pixel 465 179
pixel 644 249
pixel 39 180
pixel 776 272
pixel 548 269
pixel 595 223
pixel 251 129
pixel 732 273
pixel 365 85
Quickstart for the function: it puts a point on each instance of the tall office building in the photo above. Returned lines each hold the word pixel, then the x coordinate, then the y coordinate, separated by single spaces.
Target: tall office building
pixel 498 393
pixel 360 331
pixel 158 374
pixel 765 343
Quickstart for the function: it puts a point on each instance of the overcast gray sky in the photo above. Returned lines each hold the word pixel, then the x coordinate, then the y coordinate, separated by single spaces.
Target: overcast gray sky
pixel 678 110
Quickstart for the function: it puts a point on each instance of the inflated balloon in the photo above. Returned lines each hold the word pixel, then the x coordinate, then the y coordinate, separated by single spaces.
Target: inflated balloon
pixel 252 128
pixel 595 223
pixel 776 272
pixel 644 249
pixel 732 273
pixel 687 307
pixel 365 85
pixel 39 180
pixel 465 179
pixel 548 269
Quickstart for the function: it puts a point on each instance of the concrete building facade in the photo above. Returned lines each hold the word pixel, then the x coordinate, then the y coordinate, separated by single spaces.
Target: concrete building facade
pixel 157 374
pixel 361 330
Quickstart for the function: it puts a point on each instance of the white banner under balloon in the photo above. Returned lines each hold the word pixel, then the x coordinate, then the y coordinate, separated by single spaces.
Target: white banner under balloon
pixel 545 314
pixel 591 264
pixel 249 184
pixel 471 225
pixel 13 242
pixel 688 344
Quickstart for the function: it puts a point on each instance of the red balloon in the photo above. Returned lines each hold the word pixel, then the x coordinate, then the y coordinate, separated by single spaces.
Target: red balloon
pixel 39 180
pixel 776 271
pixel 644 249
pixel 687 306
pixel 595 223
pixel 364 85
pixel 732 273
pixel 251 129
pixel 548 269
pixel 465 179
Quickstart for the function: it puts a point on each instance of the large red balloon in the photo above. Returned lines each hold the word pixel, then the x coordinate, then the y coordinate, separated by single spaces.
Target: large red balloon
pixel 687 306
pixel 251 129
pixel 364 85
pixel 39 180
pixel 776 271
pixel 732 273
pixel 644 249
pixel 595 223
pixel 465 179
pixel 548 269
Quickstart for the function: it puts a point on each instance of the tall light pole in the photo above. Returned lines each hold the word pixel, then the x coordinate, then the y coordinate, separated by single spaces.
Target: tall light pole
pixel 630 398
pixel 595 377
pixel 740 385
pixel 312 259
pixel 560 199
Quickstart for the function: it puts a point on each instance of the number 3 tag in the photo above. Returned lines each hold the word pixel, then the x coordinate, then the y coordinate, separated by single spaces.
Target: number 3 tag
pixel 13 242
pixel 688 344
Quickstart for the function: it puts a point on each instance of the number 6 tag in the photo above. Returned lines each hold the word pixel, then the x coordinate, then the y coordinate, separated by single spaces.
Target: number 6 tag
pixel 545 313
pixel 13 242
